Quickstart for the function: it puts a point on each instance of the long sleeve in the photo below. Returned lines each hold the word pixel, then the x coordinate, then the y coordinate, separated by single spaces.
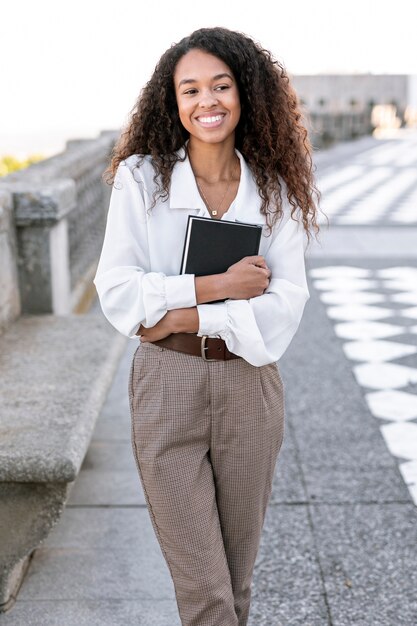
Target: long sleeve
pixel 130 293
pixel 260 329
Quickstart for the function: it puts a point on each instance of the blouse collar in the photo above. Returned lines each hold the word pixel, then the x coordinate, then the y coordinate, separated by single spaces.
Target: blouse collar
pixel 184 192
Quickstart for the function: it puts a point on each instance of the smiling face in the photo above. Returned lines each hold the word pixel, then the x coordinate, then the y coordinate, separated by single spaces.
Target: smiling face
pixel 207 97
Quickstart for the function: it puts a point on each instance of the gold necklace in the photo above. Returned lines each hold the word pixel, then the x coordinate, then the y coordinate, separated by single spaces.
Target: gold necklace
pixel 214 212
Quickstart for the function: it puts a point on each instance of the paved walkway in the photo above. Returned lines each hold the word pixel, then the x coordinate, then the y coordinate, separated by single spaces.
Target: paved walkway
pixel 339 545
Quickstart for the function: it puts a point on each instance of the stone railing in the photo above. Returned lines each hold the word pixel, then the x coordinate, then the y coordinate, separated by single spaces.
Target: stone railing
pixel 327 128
pixel 59 213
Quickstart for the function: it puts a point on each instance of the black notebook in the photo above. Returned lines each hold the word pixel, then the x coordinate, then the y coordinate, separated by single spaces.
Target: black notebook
pixel 212 246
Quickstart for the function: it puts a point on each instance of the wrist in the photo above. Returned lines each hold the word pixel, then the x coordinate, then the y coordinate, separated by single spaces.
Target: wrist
pixel 174 321
pixel 224 283
pixel 184 320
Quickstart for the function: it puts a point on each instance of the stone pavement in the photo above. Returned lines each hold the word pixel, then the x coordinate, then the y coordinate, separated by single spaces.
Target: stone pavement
pixel 339 545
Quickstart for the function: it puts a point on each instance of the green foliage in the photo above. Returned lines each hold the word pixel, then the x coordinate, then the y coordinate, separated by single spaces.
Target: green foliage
pixel 9 163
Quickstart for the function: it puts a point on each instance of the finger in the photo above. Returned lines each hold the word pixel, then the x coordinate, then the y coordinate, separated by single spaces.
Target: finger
pixel 264 270
pixel 255 260
pixel 263 265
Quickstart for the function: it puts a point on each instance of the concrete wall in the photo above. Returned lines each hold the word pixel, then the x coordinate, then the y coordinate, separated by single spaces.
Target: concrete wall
pixel 9 288
pixel 59 208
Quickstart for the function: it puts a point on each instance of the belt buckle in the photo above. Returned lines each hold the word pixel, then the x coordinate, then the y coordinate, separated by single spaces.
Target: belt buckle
pixel 204 348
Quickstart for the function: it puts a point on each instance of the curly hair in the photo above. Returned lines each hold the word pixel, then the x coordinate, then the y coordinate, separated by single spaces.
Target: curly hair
pixel 270 134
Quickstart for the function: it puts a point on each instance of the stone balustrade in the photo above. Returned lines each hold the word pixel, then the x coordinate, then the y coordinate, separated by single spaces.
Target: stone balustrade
pixel 327 128
pixel 59 208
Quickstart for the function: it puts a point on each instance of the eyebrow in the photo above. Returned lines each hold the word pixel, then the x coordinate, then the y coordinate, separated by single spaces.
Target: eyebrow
pixel 186 81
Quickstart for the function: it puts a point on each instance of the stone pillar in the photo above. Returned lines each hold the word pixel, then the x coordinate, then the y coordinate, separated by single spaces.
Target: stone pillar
pixel 9 287
pixel 42 236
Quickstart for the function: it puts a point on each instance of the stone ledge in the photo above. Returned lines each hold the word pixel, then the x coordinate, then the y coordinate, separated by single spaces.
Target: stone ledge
pixel 27 514
pixel 54 375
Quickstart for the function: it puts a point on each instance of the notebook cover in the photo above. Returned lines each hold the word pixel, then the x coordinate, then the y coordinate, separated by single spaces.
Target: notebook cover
pixel 212 246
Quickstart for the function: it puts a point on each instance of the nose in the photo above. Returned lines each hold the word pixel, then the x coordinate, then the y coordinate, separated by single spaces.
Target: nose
pixel 208 99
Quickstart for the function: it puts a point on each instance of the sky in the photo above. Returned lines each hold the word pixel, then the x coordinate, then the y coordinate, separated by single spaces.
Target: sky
pixel 73 69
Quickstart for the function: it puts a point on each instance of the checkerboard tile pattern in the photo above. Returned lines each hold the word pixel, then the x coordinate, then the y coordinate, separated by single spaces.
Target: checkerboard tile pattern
pixel 375 314
pixel 377 186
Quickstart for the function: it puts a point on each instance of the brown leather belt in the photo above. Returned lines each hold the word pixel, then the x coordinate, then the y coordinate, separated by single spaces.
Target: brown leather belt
pixel 209 348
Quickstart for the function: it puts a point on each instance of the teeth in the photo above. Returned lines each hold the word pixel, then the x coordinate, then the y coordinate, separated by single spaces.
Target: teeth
pixel 210 120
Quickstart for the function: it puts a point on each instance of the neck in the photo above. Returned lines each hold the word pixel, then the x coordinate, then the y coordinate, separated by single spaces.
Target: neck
pixel 212 162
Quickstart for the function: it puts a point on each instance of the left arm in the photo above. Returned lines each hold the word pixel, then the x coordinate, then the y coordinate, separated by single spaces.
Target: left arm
pixel 260 329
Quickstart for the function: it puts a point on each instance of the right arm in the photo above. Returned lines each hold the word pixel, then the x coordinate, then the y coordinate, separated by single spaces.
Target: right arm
pixel 130 293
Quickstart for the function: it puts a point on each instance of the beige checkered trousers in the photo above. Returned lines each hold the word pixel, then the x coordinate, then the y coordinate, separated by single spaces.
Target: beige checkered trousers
pixel 206 437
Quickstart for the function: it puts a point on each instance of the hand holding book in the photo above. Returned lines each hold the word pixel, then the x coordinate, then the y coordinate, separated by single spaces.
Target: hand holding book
pixel 249 277
pixel 227 252
pixel 239 282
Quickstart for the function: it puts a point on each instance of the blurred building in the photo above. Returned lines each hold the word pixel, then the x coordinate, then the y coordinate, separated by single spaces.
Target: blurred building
pixel 344 106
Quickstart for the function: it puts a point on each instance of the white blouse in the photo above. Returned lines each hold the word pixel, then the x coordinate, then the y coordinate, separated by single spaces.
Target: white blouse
pixel 138 279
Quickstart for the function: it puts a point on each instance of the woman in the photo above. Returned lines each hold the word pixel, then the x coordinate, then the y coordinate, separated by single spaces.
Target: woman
pixel 216 132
